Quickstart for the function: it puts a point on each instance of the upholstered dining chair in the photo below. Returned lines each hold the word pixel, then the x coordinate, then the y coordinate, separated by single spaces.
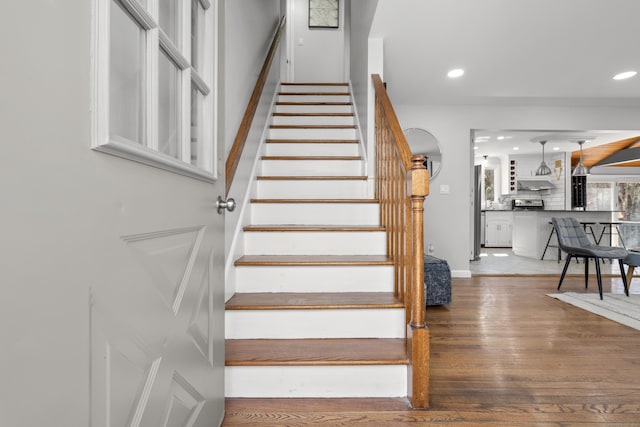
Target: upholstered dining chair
pixel 573 240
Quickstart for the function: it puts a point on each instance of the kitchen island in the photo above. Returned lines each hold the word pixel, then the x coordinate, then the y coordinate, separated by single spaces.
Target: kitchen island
pixel 531 228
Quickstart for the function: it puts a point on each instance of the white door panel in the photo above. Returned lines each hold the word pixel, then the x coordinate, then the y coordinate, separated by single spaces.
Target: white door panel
pixel 112 270
pixel 155 317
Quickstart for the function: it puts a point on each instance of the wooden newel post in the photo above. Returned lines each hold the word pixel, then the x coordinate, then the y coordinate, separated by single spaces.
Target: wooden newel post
pixel 419 189
pixel 417 331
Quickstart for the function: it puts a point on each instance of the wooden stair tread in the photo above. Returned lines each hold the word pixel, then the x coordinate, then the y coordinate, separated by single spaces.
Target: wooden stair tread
pixel 313 301
pixel 311 178
pixel 314 84
pixel 314 201
pixel 333 103
pixel 315 352
pixel 313 93
pixel 338 228
pixel 311 158
pixel 312 126
pixel 313 114
pixel 313 260
pixel 312 141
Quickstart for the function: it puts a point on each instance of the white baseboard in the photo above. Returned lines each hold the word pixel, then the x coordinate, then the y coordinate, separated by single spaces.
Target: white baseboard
pixel 461 273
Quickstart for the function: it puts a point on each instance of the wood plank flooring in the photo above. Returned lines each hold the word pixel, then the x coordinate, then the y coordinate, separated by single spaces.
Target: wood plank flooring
pixel 502 353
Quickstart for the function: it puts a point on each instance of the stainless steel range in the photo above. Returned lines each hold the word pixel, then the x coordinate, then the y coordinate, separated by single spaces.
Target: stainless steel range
pixel 527 204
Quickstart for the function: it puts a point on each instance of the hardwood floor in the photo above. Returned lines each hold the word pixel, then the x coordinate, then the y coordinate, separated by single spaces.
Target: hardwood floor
pixel 502 353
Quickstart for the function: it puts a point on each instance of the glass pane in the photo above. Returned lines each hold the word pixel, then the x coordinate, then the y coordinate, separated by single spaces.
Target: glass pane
pixel 126 66
pixel 599 196
pixel 489 185
pixel 169 17
pixel 196 137
pixel 195 34
pixel 629 201
pixel 168 107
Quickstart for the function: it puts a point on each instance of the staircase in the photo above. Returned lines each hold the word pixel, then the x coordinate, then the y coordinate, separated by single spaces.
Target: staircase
pixel 315 313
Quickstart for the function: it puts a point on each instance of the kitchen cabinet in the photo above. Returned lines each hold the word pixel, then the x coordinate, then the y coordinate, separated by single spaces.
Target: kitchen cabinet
pixel 498 229
pixel 525 234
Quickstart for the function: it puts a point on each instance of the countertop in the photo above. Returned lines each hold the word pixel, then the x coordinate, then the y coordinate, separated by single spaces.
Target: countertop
pixel 545 210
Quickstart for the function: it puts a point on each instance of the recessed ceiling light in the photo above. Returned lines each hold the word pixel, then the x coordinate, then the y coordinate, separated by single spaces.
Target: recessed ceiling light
pixel 625 75
pixel 556 148
pixel 455 73
pixel 516 148
pixel 500 138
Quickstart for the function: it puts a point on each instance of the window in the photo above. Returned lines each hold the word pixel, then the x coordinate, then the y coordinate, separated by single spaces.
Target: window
pixel 599 196
pixel 622 196
pixel 629 200
pixel 489 185
pixel 154 74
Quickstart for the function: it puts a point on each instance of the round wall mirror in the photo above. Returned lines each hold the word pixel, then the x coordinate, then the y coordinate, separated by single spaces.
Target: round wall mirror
pixel 422 142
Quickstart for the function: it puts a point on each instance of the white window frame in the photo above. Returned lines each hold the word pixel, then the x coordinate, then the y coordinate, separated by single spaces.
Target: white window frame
pixel 146 152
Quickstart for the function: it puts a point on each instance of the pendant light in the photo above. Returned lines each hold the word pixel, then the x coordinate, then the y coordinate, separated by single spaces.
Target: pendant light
pixel 581 169
pixel 543 169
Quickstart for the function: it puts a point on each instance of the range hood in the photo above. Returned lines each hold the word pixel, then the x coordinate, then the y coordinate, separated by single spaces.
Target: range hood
pixel 535 184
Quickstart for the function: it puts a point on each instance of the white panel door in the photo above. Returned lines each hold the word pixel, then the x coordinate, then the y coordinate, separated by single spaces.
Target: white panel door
pixel 111 270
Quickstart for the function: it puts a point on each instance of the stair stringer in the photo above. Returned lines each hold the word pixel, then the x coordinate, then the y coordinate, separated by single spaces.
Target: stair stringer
pixel 242 191
pixel 367 157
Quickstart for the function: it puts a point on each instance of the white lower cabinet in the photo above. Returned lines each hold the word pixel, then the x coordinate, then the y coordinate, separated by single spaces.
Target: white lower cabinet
pixel 498 229
pixel 526 234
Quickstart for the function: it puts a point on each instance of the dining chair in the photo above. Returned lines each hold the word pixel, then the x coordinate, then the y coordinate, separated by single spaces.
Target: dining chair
pixel 573 240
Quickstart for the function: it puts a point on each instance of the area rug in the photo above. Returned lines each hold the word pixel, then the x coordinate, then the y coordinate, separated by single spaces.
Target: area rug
pixel 619 308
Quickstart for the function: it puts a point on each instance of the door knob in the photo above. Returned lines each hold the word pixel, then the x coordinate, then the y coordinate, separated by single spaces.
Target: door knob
pixel 228 204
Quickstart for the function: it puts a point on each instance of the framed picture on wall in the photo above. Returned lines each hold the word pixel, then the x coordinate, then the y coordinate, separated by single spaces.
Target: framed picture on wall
pixel 324 13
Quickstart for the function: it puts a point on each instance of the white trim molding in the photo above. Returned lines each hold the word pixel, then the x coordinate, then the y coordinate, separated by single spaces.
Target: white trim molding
pixel 146 151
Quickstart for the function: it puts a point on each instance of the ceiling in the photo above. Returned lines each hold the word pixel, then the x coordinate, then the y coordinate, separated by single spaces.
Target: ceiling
pixel 493 143
pixel 527 52
pixel 534 51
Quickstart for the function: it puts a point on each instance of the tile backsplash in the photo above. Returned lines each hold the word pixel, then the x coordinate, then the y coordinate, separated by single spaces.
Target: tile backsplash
pixel 525 168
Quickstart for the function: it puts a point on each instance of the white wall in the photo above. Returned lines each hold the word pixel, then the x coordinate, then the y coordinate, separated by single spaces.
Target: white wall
pixel 249 29
pixel 362 13
pixel 448 223
pixel 318 53
pixel 250 26
pixel 44 110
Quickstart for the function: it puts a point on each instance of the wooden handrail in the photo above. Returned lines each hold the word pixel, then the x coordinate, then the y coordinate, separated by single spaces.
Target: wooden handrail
pixel 252 106
pixel 402 183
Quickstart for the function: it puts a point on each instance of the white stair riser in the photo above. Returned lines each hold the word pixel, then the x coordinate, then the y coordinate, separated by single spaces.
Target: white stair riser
pixel 316 108
pixel 306 133
pixel 311 167
pixel 316 381
pixel 311 149
pixel 313 120
pixel 315 243
pixel 314 98
pixel 314 88
pixel 294 324
pixel 314 278
pixel 338 189
pixel 315 213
